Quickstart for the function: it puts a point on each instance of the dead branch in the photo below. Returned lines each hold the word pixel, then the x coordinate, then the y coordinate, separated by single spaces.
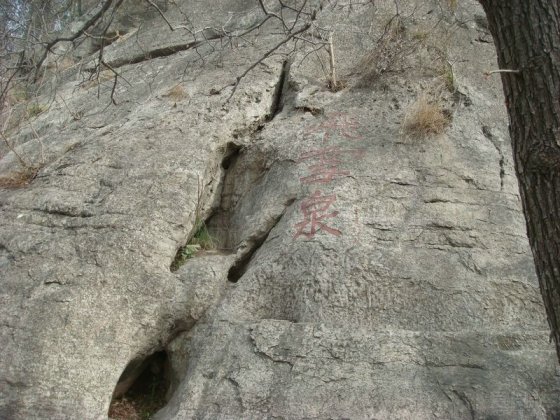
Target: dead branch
pixel 20 159
pixel 271 51
pixel 88 24
pixel 155 6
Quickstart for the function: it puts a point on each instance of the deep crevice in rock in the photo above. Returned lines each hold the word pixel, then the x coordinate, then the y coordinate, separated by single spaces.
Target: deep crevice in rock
pixel 241 173
pixel 230 156
pixel 502 171
pixel 278 97
pixel 235 224
pixel 142 388
pixel 165 51
pixel 156 53
pixel 241 170
pixel 203 237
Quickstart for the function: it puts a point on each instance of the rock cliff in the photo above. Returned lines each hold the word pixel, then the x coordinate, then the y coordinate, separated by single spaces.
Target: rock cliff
pixel 306 247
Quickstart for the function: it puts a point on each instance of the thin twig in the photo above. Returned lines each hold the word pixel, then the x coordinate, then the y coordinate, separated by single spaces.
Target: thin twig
pixel 75 115
pixel 92 21
pixel 38 138
pixel 155 6
pixel 267 54
pixel 491 72
pixel 13 150
pixel 267 13
pixel 334 83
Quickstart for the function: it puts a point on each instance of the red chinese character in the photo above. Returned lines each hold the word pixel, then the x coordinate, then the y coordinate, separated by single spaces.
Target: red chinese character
pixel 314 211
pixel 324 167
pixel 337 124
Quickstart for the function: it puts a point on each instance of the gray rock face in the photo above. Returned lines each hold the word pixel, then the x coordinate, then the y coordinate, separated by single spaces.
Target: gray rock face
pixel 359 270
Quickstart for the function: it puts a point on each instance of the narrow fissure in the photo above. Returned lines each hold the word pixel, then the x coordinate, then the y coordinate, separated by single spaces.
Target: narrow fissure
pixel 205 236
pixel 231 155
pixel 240 266
pixel 156 53
pixel 488 134
pixel 142 388
pixel 163 52
pixel 219 226
pixel 278 97
pixel 502 171
pixel 241 173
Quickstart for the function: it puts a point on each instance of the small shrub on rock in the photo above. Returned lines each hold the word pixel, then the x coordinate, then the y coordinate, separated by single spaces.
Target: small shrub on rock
pixel 425 118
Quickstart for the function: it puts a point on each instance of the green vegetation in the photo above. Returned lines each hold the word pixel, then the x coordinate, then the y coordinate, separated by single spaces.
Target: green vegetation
pixel 420 35
pixel 201 240
pixel 202 237
pixel 35 109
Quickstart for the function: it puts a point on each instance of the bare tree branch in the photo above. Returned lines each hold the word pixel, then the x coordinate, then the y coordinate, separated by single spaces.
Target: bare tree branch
pixel 271 51
pixel 88 24
pixel 155 6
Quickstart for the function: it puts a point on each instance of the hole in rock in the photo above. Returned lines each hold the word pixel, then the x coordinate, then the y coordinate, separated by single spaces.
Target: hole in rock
pixel 142 388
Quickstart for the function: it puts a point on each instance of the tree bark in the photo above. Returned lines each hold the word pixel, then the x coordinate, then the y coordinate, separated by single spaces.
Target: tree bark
pixel 527 38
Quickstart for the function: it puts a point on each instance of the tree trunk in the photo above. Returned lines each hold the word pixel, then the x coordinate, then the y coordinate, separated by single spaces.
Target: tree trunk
pixel 527 38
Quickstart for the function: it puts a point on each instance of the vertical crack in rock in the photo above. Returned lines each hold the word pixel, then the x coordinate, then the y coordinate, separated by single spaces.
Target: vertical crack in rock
pixel 245 216
pixel 488 134
pixel 502 171
pixel 230 156
pixel 278 97
pixel 241 173
pixel 239 214
pixel 200 237
pixel 232 185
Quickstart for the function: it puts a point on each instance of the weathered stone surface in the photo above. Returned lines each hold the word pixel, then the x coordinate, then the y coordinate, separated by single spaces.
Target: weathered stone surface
pixel 414 298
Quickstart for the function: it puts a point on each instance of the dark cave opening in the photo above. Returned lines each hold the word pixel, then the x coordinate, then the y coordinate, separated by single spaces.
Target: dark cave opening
pixel 142 388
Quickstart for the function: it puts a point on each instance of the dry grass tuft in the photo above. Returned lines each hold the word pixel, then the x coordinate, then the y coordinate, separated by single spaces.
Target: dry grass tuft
pixel 176 93
pixel 425 118
pixel 452 4
pixel 18 179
